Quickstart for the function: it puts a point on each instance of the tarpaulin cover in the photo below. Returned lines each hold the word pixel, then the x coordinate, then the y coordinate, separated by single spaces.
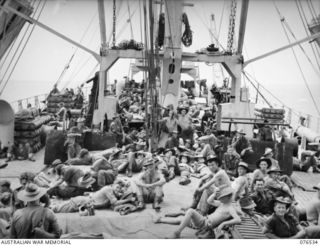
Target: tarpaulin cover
pixel 135 225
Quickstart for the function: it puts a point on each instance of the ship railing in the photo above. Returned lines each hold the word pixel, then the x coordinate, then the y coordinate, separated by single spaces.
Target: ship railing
pixel 39 101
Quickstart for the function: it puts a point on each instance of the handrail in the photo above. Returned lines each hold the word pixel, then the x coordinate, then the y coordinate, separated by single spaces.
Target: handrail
pixel 16 101
pixel 41 97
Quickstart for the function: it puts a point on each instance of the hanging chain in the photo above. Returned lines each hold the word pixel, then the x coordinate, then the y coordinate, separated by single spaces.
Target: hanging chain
pixel 114 24
pixel 232 20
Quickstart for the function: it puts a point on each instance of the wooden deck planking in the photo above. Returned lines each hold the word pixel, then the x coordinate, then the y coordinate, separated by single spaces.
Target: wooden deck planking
pixel 305 180
pixel 248 229
pixel 302 197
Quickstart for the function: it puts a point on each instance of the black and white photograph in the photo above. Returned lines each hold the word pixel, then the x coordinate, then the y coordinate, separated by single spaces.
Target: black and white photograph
pixel 159 119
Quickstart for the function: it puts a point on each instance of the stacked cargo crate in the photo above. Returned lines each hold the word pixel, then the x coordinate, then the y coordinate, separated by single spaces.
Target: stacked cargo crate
pixel 29 131
pixel 271 114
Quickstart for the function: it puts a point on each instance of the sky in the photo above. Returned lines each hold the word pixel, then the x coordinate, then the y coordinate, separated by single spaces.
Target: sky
pixel 46 55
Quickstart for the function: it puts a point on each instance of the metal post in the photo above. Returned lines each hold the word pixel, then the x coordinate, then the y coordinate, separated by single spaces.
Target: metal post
pixel 102 24
pixel 152 82
pixel 102 72
pixel 282 48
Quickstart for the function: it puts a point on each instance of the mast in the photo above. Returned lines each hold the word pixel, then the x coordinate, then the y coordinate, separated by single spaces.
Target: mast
pixel 152 83
pixel 172 58
pixel 98 115
pixel 243 21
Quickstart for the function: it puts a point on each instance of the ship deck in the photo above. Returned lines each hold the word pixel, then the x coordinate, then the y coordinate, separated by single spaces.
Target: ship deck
pixel 305 180
pixel 110 224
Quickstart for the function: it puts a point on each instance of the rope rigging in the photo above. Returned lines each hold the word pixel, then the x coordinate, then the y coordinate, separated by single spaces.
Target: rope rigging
pixel 22 50
pixel 302 49
pixel 314 47
pixel 223 7
pixel 210 31
pixel 74 53
pixel 114 19
pixel 286 25
pixel 298 63
pixel 270 93
pixel 3 61
pixel 129 20
pixel 186 38
pixel 123 28
pixel 212 20
pixel 187 34
pixel 311 9
pixel 17 48
pixel 257 89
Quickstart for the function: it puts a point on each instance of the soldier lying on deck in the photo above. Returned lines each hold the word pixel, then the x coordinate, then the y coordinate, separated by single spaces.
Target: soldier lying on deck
pixel 107 197
pixel 68 185
pixel 101 169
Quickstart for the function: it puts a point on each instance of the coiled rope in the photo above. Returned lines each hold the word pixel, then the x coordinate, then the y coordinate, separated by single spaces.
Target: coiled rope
pixel 187 34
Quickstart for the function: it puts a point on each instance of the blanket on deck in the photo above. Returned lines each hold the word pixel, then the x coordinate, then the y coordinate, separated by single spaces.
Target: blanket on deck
pixel 135 225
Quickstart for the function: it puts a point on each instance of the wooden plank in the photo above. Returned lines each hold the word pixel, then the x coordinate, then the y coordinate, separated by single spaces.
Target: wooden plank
pixel 305 180
pixel 248 229
pixel 302 197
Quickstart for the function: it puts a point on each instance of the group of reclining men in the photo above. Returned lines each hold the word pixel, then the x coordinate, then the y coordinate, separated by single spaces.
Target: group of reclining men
pixel 226 190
